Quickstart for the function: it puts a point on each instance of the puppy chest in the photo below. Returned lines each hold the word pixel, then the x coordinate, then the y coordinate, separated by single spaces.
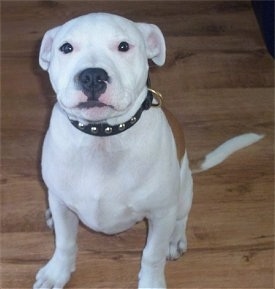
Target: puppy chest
pixel 109 192
pixel 103 202
pixel 106 215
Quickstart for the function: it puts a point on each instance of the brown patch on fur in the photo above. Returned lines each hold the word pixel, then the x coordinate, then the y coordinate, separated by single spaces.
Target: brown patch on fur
pixel 195 165
pixel 177 132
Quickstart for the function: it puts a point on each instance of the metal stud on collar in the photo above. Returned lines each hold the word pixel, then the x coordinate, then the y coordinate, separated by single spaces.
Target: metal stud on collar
pixel 94 130
pixel 133 120
pixel 121 127
pixel 81 125
pixel 108 130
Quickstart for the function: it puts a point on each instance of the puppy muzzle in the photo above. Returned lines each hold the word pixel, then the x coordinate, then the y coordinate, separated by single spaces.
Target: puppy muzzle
pixel 93 83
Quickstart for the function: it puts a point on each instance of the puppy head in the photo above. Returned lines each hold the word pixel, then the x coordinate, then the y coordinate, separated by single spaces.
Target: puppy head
pixel 98 64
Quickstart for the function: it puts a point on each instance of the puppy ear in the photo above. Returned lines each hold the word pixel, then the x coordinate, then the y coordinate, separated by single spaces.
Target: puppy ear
pixel 46 48
pixel 155 43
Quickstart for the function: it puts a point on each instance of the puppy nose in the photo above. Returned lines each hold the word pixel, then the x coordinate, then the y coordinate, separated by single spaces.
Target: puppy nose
pixel 93 82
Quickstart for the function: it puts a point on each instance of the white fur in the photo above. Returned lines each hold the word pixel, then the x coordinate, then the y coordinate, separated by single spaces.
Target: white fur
pixel 110 183
pixel 222 152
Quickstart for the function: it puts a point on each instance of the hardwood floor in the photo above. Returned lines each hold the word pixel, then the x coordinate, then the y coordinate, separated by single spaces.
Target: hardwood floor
pixel 218 80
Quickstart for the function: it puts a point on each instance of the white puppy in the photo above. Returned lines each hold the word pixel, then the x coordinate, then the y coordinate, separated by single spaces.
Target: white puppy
pixel 109 158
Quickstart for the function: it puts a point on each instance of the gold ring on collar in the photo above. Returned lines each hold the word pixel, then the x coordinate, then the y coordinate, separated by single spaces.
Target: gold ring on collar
pixel 157 96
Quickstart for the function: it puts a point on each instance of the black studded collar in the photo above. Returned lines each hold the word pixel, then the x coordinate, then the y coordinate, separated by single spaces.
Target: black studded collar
pixel 104 129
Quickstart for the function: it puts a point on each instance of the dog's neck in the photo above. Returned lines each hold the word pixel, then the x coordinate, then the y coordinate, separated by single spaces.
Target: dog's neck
pixel 104 129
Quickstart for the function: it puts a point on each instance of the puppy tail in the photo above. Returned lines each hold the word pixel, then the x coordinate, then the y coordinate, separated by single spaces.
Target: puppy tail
pixel 223 151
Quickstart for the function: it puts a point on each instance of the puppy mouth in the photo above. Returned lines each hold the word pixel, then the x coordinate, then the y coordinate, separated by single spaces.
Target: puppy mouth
pixel 92 104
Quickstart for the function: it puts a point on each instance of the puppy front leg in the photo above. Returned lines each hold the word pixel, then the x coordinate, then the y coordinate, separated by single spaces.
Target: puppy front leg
pixel 154 254
pixel 56 273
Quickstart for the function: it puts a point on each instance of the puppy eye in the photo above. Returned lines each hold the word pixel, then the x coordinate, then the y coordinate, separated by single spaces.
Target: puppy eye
pixel 66 48
pixel 123 46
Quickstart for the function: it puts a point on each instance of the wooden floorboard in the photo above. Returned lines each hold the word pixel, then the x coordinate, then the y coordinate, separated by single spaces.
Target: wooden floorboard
pixel 218 80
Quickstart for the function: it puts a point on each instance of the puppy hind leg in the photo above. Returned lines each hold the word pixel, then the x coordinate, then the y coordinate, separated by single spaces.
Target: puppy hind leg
pixel 178 240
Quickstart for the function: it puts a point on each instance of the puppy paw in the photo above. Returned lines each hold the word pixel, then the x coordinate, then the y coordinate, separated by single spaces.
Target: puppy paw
pixel 49 219
pixel 149 281
pixel 176 249
pixel 55 274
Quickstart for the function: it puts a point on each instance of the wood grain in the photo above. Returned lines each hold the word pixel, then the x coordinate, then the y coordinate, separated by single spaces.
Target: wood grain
pixel 218 81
